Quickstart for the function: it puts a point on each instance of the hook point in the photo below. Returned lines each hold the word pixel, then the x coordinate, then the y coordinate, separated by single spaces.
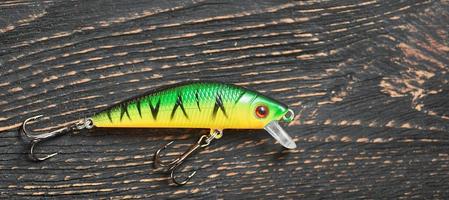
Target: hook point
pixel 37 159
pixel 185 181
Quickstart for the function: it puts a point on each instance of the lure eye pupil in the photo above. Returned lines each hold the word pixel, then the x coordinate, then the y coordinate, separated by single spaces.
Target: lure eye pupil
pixel 261 111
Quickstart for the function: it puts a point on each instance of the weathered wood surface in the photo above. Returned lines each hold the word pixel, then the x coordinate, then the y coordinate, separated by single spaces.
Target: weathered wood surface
pixel 369 80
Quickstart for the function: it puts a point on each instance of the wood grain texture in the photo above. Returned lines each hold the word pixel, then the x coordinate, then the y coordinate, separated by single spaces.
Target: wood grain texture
pixel 368 79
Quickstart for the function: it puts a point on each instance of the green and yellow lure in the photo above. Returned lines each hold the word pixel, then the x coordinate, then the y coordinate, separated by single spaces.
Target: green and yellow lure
pixel 212 105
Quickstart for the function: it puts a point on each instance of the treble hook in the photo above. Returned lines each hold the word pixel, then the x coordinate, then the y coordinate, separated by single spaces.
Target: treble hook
pixel 35 139
pixel 203 141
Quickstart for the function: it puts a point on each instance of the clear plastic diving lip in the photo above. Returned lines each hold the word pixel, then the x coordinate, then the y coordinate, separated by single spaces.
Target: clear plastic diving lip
pixel 280 135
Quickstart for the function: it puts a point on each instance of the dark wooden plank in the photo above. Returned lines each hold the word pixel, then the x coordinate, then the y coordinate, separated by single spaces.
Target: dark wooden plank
pixel 368 78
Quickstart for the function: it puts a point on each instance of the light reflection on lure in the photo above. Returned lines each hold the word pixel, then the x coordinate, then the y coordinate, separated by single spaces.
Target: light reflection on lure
pixel 212 105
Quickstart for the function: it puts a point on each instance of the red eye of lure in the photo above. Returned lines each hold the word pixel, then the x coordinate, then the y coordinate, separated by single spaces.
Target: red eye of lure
pixel 210 105
pixel 262 111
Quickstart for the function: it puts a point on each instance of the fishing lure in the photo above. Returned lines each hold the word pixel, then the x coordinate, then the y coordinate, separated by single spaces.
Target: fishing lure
pixel 211 105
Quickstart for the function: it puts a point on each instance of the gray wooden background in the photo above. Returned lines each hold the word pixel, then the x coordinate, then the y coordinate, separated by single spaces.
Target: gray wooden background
pixel 368 79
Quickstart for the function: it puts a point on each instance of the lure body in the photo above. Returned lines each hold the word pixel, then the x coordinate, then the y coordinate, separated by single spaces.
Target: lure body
pixel 193 105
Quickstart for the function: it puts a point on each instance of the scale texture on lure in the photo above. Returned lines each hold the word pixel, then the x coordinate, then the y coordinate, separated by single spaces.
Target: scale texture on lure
pixel 210 105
